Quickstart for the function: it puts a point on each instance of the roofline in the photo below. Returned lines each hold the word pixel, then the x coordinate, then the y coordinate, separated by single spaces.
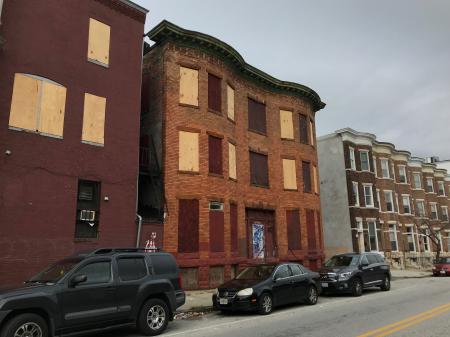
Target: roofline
pixel 135 6
pixel 166 30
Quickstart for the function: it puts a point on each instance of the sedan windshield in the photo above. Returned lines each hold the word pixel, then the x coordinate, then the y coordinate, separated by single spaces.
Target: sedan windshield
pixel 342 261
pixel 56 271
pixel 255 273
pixel 443 260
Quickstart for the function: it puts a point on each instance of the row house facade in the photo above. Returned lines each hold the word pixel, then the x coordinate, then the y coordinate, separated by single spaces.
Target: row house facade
pixel 69 129
pixel 228 160
pixel 381 199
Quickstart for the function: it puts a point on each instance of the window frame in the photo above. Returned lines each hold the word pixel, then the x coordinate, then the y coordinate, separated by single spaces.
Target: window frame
pixel 393 231
pixel 366 152
pixel 428 179
pixel 386 162
pixel 391 193
pixel 402 169
pixel 352 158
pixel 372 205
pixel 252 167
pixel 355 195
pixel 417 175
pixel 408 197
pixel 252 115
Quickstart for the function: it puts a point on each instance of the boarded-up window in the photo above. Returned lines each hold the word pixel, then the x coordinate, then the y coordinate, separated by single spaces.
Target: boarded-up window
pixel 98 45
pixel 37 105
pixel 256 116
pixel 289 176
pixel 311 132
pixel 214 93
pixel 94 119
pixel 319 228
pixel 234 227
pixel 311 229
pixel 188 158
pixel 315 179
pixel 216 230
pixel 232 161
pixel 188 86
pixel 259 172
pixel 188 223
pixel 303 129
pixel 287 127
pixel 215 154
pixel 293 229
pixel 230 102
pixel 306 167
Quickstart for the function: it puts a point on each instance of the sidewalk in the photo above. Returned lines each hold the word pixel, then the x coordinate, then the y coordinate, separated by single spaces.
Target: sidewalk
pixel 200 301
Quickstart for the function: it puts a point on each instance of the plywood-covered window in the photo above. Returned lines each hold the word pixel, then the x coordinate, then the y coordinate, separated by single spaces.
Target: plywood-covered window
pixel 188 157
pixel 311 132
pixel 315 179
pixel 216 227
pixel 293 229
pixel 311 229
pixel 230 102
pixel 259 170
pixel 287 126
pixel 188 225
pixel 303 127
pixel 257 116
pixel 306 168
pixel 37 105
pixel 289 176
pixel 214 93
pixel 94 119
pixel 215 154
pixel 234 227
pixel 188 86
pixel 232 161
pixel 99 41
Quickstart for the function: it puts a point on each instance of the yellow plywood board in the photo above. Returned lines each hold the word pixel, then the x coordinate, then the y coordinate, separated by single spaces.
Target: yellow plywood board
pixel 287 127
pixel 188 151
pixel 53 102
pixel 316 180
pixel 311 132
pixel 188 86
pixel 230 102
pixel 99 38
pixel 94 119
pixel 289 174
pixel 232 161
pixel 25 102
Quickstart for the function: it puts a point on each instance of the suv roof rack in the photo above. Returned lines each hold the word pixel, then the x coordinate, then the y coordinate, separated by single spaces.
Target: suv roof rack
pixel 101 251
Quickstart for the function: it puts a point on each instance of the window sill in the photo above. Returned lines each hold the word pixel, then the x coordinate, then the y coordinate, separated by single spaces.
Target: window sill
pixel 288 139
pixel 290 189
pixel 189 105
pixel 258 132
pixel 101 64
pixel 216 175
pixel 232 179
pixel 216 112
pixel 261 186
pixel 193 173
pixel 35 132
pixel 231 120
pixel 92 143
pixel 85 239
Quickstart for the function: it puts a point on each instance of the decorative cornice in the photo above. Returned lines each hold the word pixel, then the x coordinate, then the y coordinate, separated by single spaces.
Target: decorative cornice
pixel 167 31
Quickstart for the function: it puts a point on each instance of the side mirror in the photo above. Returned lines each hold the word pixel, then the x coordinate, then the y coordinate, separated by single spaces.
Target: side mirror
pixel 77 280
pixel 275 278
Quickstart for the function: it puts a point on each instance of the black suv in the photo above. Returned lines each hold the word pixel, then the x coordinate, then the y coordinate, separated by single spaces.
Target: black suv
pixel 353 272
pixel 95 291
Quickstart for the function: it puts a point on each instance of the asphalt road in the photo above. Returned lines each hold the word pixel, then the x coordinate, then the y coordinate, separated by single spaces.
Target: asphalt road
pixel 413 307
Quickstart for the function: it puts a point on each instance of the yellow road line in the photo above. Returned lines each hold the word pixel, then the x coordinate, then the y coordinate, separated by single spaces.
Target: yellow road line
pixel 406 320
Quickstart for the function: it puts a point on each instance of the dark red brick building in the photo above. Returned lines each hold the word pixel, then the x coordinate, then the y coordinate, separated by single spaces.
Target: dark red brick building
pixel 69 129
pixel 228 160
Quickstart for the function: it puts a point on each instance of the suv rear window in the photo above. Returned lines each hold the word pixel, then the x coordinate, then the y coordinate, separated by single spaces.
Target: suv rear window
pixel 163 264
pixel 131 268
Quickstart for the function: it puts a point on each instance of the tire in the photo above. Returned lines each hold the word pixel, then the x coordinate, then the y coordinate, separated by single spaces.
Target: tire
pixel 22 324
pixel 357 287
pixel 265 304
pixel 155 311
pixel 386 285
pixel 311 295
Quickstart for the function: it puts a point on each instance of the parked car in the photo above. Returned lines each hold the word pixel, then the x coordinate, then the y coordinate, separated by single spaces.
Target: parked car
pixel 441 267
pixel 262 287
pixel 352 273
pixel 100 290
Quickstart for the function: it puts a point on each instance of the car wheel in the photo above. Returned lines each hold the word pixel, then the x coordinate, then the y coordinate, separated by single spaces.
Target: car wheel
pixel 312 295
pixel 153 318
pixel 357 287
pixel 25 325
pixel 386 285
pixel 265 304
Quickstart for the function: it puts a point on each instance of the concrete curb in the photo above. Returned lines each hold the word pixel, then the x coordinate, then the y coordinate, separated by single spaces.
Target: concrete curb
pixel 410 277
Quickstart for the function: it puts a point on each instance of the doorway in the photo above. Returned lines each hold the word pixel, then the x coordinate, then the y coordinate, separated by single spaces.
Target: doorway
pixel 261 234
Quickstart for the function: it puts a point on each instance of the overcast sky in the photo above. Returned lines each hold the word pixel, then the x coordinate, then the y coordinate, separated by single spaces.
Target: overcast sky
pixel 381 66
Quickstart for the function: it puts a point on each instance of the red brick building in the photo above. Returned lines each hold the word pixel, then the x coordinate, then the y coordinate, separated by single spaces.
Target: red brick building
pixel 69 122
pixel 228 160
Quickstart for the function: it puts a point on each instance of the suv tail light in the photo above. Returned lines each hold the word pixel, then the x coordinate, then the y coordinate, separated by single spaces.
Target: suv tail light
pixel 180 281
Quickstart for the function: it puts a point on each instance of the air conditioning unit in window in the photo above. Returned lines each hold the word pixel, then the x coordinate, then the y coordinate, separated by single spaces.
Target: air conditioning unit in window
pixel 215 206
pixel 86 215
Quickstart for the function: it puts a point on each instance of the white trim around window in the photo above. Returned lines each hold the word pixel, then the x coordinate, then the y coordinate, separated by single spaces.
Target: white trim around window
pixel 355 192
pixel 366 160
pixel 385 168
pixel 351 152
pixel 368 195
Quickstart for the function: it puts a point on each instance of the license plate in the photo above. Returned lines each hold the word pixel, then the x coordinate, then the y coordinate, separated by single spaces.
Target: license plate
pixel 442 271
pixel 324 285
pixel 223 301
